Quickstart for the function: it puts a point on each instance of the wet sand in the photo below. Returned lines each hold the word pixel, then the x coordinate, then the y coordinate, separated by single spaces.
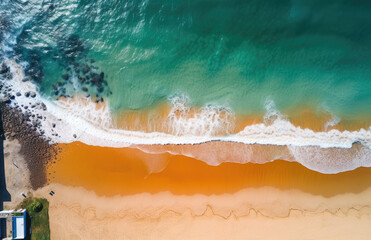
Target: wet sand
pixel 111 193
pixel 125 171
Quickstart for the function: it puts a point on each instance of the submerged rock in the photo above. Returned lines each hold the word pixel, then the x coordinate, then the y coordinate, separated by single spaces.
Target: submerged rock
pixel 35 68
pixel 65 76
pixel 9 75
pixel 4 68
pixel 86 69
pixel 26 79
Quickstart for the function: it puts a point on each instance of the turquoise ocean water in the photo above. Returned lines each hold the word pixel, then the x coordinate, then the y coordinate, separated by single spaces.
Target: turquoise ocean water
pixel 227 53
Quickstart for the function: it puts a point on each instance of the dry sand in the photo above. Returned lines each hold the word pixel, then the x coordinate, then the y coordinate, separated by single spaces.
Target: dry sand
pixel 264 213
pixel 17 175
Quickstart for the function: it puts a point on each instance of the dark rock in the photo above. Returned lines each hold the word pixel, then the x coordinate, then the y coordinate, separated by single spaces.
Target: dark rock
pixel 44 106
pixel 53 125
pixel 85 89
pixel 12 97
pixel 77 70
pixel 18 94
pixel 65 76
pixel 26 79
pixel 35 68
pixel 92 60
pixel 72 48
pixel 96 79
pixel 4 68
pixel 86 69
pixel 60 84
pixel 9 75
pixel 74 135
pixel 27 94
pixel 32 94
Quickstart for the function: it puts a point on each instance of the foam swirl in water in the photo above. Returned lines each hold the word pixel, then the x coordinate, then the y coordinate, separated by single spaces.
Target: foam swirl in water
pixel 82 120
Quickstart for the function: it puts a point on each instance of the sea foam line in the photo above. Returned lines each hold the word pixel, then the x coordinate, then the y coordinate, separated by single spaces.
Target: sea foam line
pixel 74 125
pixel 69 121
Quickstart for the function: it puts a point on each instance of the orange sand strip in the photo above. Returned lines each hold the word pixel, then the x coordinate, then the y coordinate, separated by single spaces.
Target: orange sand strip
pixel 111 171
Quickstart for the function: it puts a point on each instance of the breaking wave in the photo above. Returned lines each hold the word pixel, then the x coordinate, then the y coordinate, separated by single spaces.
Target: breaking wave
pixel 80 119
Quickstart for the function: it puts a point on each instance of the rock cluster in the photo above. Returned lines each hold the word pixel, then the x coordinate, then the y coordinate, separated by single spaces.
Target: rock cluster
pixel 22 123
pixel 36 149
pixel 89 79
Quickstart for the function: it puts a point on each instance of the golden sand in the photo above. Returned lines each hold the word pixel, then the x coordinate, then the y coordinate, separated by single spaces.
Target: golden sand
pixel 110 193
pixel 263 213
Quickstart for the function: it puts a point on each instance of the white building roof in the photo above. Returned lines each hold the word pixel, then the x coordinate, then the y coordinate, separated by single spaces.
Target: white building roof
pixel 19 234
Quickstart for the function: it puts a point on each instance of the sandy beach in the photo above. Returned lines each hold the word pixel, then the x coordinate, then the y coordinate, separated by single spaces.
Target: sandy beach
pixel 194 120
pixel 125 193
pixel 264 213
pixel 105 193
pixel 274 207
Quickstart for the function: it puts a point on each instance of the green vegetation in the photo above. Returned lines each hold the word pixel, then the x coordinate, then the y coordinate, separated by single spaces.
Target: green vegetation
pixel 36 206
pixel 38 215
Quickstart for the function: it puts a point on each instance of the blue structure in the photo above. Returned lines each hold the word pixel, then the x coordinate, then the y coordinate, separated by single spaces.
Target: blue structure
pixel 1 226
pixel 18 219
pixel 19 226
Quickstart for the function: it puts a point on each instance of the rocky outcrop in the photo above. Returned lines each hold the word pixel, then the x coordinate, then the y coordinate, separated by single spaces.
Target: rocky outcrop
pixel 35 148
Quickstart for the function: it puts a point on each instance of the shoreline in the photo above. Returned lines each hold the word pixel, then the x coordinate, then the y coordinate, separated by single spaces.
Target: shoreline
pixel 129 171
pixel 85 125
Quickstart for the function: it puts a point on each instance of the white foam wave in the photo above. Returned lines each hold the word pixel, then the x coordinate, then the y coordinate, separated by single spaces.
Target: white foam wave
pixel 209 121
pixel 91 125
